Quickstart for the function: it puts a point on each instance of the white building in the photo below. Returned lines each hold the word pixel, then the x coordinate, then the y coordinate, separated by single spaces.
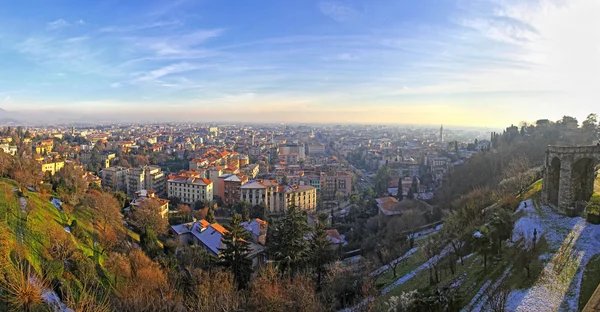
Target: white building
pixel 190 188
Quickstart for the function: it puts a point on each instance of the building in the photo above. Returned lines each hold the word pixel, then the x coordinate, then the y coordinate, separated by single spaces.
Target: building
pixel 229 187
pixel 9 149
pixel 250 170
pixel 442 133
pixel 335 184
pixel 52 166
pixel 305 197
pixel 90 178
pixel 316 149
pixel 146 178
pixel 189 187
pixel 115 178
pixel 142 196
pixel 210 237
pixel 278 198
pixel 291 148
pixel 257 229
pixel 388 206
pixel 260 191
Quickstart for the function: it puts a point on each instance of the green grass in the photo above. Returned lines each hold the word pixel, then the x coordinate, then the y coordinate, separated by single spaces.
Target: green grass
pixel 533 190
pixel 518 276
pixel 590 281
pixel 407 266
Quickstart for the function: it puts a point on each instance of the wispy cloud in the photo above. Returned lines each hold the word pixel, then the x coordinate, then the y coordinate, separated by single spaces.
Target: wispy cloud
pixel 338 11
pixel 61 23
pixel 132 28
pixel 56 24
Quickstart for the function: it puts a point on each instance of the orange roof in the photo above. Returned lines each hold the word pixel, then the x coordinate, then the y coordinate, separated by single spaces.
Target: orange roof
pixel 204 223
pixel 219 228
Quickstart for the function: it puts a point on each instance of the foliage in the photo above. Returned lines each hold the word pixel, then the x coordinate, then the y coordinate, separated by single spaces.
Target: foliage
pixel 320 253
pixel 270 291
pixel 593 206
pixel 288 245
pixel 235 254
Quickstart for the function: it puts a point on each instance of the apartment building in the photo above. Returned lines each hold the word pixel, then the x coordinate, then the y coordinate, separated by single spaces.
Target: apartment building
pixel 146 178
pixel 250 170
pixel 229 187
pixel 305 197
pixel 190 187
pixel 335 183
pixel 316 148
pixel 278 198
pixel 115 178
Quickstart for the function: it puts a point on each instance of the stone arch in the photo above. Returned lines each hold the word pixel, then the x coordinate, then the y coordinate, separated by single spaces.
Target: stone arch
pixel 582 178
pixel 553 181
pixel 569 176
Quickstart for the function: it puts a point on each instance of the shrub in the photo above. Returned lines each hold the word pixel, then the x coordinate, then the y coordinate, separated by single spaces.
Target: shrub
pixel 593 209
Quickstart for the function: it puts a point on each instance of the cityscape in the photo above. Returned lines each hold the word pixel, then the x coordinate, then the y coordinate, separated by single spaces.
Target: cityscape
pixel 322 155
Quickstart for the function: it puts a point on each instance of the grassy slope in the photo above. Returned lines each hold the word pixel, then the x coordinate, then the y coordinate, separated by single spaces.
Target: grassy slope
pixel 43 217
pixel 590 281
pixel 472 275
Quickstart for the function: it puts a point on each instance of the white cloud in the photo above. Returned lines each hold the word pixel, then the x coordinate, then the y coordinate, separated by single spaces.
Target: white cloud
pixel 56 24
pixel 153 75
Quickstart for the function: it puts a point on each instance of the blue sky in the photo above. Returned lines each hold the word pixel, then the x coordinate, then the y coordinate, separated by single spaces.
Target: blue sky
pixel 461 62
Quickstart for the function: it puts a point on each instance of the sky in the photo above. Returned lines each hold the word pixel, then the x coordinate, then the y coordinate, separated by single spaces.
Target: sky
pixel 454 62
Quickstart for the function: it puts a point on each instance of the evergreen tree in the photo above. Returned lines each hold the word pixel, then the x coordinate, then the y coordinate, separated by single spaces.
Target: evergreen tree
pixel 411 194
pixel 210 215
pixel 234 255
pixel 288 245
pixel 400 196
pixel 320 254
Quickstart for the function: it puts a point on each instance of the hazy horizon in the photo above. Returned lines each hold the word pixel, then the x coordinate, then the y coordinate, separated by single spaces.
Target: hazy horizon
pixel 454 62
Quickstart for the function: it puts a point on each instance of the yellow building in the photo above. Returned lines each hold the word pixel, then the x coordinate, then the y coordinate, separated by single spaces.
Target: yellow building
pixel 52 167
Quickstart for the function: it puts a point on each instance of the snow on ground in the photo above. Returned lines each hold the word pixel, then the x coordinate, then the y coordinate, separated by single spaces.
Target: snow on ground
pixel 51 298
pixel 477 296
pixel 386 267
pixel 481 303
pixel 416 271
pixel 573 242
pixel 57 203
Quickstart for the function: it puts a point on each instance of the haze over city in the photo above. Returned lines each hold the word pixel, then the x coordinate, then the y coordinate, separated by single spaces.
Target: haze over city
pixel 481 63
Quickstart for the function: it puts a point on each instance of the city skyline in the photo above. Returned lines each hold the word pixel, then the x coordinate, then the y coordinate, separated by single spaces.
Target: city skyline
pixel 479 63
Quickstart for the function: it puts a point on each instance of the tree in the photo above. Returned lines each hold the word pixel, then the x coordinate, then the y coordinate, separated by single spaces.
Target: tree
pixel 517 175
pixel 185 211
pixel 382 180
pixel 288 245
pixel 390 251
pixel 210 215
pixel 400 196
pixel 320 254
pixel 259 211
pixel 106 213
pixel 147 215
pixel 590 128
pixel 483 244
pixel 235 254
pixel 411 194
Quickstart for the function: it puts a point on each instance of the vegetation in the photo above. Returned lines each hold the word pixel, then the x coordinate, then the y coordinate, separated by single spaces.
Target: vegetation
pixel 590 281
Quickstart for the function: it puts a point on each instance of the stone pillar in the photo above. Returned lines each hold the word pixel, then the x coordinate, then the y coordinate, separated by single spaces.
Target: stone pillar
pixel 545 180
pixel 565 189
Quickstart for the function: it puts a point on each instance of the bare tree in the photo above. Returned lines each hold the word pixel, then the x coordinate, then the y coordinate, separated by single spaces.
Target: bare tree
pixel 517 175
pixel 497 297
